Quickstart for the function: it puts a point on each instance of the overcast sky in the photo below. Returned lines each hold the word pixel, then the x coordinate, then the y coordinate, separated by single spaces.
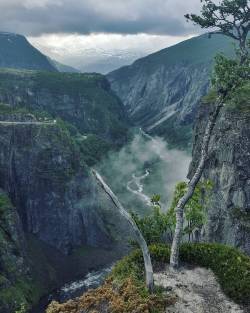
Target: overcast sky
pixel 83 33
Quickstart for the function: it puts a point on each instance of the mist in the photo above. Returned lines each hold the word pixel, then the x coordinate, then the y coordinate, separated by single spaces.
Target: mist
pixel 144 167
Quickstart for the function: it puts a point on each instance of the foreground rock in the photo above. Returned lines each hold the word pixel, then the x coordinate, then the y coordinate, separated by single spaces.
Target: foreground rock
pixel 197 291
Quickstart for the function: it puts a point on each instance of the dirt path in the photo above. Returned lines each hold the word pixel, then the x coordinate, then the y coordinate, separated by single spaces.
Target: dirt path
pixel 197 291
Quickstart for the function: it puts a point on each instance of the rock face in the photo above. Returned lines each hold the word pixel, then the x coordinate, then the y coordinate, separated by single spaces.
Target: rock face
pixel 17 52
pixel 228 169
pixel 161 91
pixel 84 100
pixel 56 203
pixel 196 290
pixel 55 195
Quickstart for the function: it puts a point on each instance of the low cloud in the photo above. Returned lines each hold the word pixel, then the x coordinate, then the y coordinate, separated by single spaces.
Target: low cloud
pixel 36 17
pixel 166 167
pixel 101 52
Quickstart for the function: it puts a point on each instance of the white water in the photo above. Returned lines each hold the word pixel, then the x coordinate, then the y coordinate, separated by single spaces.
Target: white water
pixel 74 289
pixel 91 280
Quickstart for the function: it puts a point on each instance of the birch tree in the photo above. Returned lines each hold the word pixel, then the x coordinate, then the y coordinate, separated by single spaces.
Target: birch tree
pixel 230 18
pixel 139 237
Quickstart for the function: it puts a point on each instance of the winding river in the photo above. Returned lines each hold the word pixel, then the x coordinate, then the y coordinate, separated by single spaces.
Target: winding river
pixel 136 182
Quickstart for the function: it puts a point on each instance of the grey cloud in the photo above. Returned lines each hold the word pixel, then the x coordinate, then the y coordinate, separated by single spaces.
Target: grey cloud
pixel 33 17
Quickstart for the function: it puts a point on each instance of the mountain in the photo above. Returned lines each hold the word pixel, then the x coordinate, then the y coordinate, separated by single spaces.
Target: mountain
pixel 17 52
pixel 161 91
pixel 62 67
pixel 104 61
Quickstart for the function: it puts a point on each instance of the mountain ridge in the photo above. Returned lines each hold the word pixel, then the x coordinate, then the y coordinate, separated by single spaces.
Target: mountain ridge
pixel 18 53
pixel 161 91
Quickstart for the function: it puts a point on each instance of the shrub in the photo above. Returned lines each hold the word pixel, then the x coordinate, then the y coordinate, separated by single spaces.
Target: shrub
pixel 124 291
pixel 231 267
pixel 126 296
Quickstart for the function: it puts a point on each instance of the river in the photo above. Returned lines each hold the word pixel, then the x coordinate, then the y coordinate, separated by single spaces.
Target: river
pixel 73 289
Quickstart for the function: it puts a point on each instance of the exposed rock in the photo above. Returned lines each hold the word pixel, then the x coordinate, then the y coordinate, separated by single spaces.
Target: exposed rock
pixel 161 91
pixel 197 291
pixel 84 100
pixel 58 203
pixel 228 169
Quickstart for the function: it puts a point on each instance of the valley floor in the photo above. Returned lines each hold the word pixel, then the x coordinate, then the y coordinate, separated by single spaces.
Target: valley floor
pixel 197 291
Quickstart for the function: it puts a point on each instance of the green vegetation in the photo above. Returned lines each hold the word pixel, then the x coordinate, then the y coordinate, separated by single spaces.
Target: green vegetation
pixel 117 297
pixel 125 290
pixel 93 148
pixel 17 52
pixel 239 100
pixel 5 203
pixel 16 287
pixel 83 100
pixel 231 267
pixel 159 226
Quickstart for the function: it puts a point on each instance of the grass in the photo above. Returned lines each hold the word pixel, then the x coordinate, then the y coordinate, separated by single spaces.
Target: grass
pixel 231 266
pixel 124 291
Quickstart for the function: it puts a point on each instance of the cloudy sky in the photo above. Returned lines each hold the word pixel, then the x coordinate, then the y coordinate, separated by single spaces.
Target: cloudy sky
pixel 99 34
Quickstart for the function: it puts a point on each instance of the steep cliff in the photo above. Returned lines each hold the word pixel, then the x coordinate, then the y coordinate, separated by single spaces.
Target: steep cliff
pixel 84 100
pixel 228 169
pixel 161 91
pixel 57 208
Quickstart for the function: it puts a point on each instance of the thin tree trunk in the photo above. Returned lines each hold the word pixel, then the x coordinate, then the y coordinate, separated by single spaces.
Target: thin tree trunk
pixel 174 258
pixel 140 239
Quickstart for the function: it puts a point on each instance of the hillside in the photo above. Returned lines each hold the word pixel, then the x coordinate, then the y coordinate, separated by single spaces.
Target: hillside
pixel 17 52
pixel 84 100
pixel 62 67
pixel 161 91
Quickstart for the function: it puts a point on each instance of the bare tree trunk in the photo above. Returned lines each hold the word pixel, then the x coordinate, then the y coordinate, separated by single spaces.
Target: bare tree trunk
pixel 140 239
pixel 174 258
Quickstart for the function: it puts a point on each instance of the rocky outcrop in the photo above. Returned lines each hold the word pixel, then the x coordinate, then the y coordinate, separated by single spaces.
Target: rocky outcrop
pixel 84 100
pixel 228 169
pixel 161 91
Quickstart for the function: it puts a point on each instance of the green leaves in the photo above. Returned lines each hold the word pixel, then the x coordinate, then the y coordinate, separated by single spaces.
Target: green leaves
pixel 158 227
pixel 231 267
pixel 230 18
pixel 230 74
pixel 227 17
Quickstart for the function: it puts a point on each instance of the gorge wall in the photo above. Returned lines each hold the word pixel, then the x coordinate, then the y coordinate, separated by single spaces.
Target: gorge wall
pixel 56 224
pixel 161 92
pixel 228 169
